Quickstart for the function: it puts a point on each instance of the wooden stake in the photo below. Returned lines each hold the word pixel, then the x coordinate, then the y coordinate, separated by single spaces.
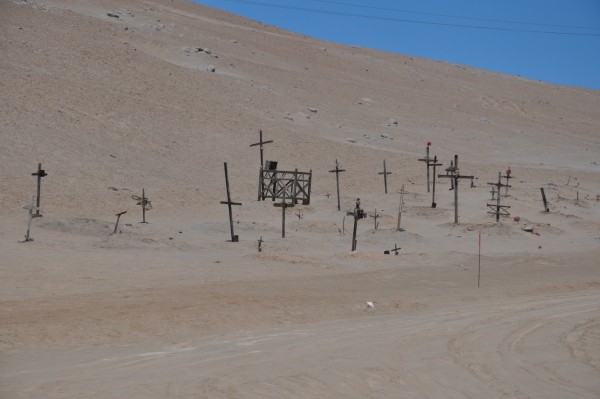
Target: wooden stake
pixel 229 203
pixel 544 199
pixel 118 215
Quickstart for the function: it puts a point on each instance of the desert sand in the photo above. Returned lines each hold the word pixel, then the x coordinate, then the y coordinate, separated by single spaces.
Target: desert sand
pixel 159 94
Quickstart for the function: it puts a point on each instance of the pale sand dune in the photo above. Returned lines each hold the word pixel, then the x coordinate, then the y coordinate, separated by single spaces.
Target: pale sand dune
pixel 172 309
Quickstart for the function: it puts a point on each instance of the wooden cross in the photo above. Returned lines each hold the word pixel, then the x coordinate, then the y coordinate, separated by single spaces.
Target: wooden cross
pixel 118 215
pixel 337 172
pixel 499 209
pixel 434 163
pixel 453 173
pixel 283 205
pixel 375 216
pixel 385 173
pixel 31 209
pixel 229 203
pixel 299 215
pixel 507 177
pixel 261 143
pixel 144 202
pixel 357 214
pixel 427 162
pixel 260 241
pixel 40 173
pixel 396 249
pixel 493 192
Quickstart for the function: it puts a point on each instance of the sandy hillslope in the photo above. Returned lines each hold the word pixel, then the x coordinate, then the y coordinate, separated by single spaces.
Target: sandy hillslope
pixel 172 309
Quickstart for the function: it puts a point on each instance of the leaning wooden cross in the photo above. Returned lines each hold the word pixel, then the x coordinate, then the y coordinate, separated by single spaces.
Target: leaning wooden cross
pixel 229 203
pixel 337 172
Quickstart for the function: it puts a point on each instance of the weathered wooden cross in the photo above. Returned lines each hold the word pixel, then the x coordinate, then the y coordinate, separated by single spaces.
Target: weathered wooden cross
pixel 357 214
pixel 375 216
pixel 337 172
pixel 427 162
pixel 396 249
pixel 229 203
pixel 261 143
pixel 144 202
pixel 385 173
pixel 493 192
pixel 283 205
pixel 31 207
pixel 496 208
pixel 434 163
pixel 260 242
pixel 507 177
pixel 118 215
pixel 453 173
pixel 40 173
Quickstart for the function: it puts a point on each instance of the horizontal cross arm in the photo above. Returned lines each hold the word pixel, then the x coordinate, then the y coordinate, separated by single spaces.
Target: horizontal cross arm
pixel 229 202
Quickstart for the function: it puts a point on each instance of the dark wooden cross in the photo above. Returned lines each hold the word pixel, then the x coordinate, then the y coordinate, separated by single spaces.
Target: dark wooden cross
pixel 283 205
pixel 453 173
pixel 375 216
pixel 357 214
pixel 434 163
pixel 260 241
pixel 385 173
pixel 261 143
pixel 145 203
pixel 40 173
pixel 507 177
pixel 118 215
pixel 229 203
pixel 396 249
pixel 427 162
pixel 337 172
pixel 496 208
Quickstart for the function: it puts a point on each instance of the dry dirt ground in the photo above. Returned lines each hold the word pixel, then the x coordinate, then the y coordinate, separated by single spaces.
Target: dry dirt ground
pixel 172 309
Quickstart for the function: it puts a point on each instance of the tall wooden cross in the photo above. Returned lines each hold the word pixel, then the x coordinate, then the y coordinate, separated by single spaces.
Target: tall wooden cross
pixel 261 143
pixel 427 162
pixel 497 208
pixel 358 214
pixel 375 216
pixel 40 173
pixel 434 163
pixel 337 172
pixel 453 173
pixel 229 203
pixel 31 208
pixel 283 205
pixel 385 173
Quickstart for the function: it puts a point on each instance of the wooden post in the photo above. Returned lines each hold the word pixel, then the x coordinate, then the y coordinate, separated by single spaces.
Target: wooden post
pixel 229 203
pixel 118 215
pixel 261 143
pixel 40 173
pixel 544 199
pixel 426 160
pixel 434 164
pixel 31 208
pixel 337 172
pixel 453 173
pixel 385 173
pixel 400 206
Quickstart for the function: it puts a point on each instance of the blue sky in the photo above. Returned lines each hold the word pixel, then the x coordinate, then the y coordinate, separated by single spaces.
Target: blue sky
pixel 556 41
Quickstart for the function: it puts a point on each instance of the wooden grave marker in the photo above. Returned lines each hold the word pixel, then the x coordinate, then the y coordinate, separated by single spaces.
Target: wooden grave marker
pixel 229 203
pixel 337 172
pixel 385 173
pixel 358 214
pixel 40 173
pixel 261 143
pixel 453 173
